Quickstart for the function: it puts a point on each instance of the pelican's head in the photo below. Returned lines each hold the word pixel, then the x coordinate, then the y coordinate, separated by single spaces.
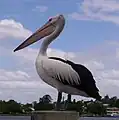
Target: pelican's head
pixel 53 24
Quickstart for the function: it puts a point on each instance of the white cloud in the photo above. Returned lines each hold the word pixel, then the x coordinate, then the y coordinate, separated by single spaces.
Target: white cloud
pixel 101 60
pixel 30 54
pixel 19 79
pixel 41 8
pixel 103 10
pixel 111 75
pixel 9 28
pixel 93 64
pixel 24 78
pixel 10 75
pixel 21 85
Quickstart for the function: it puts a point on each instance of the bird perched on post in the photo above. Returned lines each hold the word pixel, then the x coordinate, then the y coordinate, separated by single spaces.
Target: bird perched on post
pixel 64 75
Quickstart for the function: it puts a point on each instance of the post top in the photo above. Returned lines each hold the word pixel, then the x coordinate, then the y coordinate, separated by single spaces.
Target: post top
pixel 66 112
pixel 54 115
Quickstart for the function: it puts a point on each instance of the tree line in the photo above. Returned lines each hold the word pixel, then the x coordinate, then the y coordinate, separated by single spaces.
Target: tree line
pixel 88 108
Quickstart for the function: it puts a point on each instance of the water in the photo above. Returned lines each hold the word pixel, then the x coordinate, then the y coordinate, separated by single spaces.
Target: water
pixel 15 118
pixel 28 118
pixel 99 118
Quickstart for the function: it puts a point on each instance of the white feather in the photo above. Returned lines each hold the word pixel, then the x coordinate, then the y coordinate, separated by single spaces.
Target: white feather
pixel 54 68
pixel 48 69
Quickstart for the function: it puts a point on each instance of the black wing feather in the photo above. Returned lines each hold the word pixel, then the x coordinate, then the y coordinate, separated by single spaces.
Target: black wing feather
pixel 87 81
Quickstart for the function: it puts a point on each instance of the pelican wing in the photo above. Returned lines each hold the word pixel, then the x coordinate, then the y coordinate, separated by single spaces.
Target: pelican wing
pixel 72 74
pixel 61 71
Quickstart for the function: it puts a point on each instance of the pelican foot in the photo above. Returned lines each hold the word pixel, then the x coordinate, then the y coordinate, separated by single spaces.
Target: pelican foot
pixel 66 103
pixel 58 103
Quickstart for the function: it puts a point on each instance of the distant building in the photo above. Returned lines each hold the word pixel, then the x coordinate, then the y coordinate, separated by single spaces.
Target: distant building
pixel 112 111
pixel 105 105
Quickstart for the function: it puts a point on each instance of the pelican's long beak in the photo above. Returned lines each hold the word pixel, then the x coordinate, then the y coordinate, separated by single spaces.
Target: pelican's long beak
pixel 44 31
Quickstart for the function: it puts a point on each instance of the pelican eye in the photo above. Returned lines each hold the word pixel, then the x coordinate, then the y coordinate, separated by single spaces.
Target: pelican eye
pixel 50 19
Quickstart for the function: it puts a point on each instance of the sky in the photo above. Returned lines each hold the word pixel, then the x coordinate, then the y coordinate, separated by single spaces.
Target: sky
pixel 90 37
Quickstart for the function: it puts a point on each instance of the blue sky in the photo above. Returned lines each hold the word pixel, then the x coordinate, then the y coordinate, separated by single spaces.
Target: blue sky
pixel 90 37
pixel 83 34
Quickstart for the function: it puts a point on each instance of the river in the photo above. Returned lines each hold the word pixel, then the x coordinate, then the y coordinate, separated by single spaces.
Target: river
pixel 28 118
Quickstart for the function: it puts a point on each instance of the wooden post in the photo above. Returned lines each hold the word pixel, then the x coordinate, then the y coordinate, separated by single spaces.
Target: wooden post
pixel 54 115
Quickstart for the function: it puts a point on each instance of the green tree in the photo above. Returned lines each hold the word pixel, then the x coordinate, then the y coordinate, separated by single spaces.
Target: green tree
pixel 44 103
pixel 43 106
pixel 112 101
pixel 76 106
pixel 27 107
pixel 96 108
pixel 4 107
pixel 10 106
pixel 106 99
pixel 117 103
pixel 45 99
pixel 14 107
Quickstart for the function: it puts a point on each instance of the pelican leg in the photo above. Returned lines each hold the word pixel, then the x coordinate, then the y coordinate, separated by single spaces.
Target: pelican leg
pixel 67 101
pixel 58 104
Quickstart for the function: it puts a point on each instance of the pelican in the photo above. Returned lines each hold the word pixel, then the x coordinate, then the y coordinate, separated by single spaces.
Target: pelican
pixel 64 75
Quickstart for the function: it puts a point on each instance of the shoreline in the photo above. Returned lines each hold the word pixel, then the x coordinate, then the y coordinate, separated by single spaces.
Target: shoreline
pixel 29 114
